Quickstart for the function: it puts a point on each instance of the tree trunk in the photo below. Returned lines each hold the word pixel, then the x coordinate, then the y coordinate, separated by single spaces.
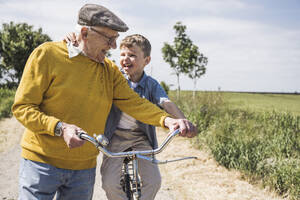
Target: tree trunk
pixel 194 91
pixel 178 89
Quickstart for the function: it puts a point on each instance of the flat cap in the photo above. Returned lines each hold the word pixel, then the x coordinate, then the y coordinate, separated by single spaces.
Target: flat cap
pixel 96 15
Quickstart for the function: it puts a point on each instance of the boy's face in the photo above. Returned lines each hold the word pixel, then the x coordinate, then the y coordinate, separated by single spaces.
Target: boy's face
pixel 132 61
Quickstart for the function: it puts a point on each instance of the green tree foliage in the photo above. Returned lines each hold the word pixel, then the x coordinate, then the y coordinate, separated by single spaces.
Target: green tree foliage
pixel 177 55
pixel 197 66
pixel 165 86
pixel 183 56
pixel 17 41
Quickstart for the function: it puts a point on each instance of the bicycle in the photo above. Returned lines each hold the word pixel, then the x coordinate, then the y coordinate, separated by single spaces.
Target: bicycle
pixel 130 180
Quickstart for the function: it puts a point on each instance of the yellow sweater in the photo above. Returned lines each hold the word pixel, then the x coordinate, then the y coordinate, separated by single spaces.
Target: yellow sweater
pixel 76 91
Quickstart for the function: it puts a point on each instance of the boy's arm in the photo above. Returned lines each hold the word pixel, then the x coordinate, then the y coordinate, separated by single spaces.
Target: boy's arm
pixel 161 99
pixel 172 109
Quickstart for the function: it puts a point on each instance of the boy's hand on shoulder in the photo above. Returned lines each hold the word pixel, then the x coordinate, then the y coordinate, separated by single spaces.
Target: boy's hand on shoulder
pixel 71 37
pixel 187 128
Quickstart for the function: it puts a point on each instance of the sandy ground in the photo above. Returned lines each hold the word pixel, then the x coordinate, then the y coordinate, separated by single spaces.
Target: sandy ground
pixel 201 179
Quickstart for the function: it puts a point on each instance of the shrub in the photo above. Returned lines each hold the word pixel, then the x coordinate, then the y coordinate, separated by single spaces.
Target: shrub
pixel 165 86
pixel 6 101
pixel 262 144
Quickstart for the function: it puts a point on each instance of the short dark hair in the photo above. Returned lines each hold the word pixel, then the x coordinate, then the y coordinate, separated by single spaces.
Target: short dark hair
pixel 138 40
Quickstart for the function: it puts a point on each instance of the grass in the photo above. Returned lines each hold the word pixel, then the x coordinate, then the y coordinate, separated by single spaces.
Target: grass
pixel 257 134
pixel 252 101
pixel 264 145
pixel 264 102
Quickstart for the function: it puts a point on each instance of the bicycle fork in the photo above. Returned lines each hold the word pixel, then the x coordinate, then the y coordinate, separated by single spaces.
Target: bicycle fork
pixel 130 180
pixel 136 180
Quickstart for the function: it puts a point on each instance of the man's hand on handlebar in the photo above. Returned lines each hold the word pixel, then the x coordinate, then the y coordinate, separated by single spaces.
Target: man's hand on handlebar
pixel 70 135
pixel 187 128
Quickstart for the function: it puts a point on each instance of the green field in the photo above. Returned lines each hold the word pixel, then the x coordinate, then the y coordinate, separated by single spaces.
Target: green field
pixel 264 102
pixel 251 101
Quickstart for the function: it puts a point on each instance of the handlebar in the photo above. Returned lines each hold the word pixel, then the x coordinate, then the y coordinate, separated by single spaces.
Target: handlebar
pixel 101 142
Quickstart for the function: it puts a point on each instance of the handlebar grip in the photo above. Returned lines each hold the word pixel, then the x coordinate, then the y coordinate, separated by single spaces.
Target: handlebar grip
pixel 79 134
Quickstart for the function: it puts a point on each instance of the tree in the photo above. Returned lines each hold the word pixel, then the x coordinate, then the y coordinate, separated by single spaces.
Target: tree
pixel 17 41
pixel 184 57
pixel 197 66
pixel 177 55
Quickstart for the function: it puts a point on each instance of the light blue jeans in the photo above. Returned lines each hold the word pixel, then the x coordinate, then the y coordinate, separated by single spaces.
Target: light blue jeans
pixel 40 181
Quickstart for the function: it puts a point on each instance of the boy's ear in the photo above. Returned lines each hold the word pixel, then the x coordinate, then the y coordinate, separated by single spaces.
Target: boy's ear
pixel 148 59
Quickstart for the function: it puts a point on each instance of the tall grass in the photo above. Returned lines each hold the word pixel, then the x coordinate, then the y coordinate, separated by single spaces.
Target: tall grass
pixel 262 144
pixel 265 145
pixel 6 101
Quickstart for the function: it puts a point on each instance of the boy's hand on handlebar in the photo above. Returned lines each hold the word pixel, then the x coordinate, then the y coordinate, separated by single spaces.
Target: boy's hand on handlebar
pixel 70 135
pixel 187 128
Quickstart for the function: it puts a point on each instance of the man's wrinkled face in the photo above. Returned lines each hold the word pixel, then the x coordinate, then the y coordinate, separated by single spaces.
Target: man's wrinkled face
pixel 98 41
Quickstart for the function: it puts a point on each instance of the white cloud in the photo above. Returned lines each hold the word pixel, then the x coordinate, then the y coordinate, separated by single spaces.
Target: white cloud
pixel 245 39
pixel 212 6
pixel 244 53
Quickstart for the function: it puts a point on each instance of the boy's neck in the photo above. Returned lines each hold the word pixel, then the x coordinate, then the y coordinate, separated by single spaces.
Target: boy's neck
pixel 136 77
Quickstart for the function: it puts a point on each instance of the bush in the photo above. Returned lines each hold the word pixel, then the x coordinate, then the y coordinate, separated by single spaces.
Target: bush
pixel 165 86
pixel 263 144
pixel 281 174
pixel 250 142
pixel 202 110
pixel 6 101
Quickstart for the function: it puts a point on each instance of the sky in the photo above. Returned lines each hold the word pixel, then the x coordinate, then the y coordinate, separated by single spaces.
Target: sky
pixel 251 45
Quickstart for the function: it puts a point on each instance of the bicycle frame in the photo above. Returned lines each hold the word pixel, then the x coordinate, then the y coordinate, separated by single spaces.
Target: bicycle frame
pixel 101 141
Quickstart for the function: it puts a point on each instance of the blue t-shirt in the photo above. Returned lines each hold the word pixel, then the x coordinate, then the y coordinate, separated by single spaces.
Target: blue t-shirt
pixel 147 88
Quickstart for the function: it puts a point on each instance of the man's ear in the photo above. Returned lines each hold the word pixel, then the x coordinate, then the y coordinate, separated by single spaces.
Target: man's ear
pixel 84 33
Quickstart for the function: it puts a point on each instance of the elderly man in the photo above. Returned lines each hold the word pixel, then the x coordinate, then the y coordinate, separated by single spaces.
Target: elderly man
pixel 67 89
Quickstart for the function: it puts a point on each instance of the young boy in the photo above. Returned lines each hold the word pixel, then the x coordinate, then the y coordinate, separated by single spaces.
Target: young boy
pixel 125 132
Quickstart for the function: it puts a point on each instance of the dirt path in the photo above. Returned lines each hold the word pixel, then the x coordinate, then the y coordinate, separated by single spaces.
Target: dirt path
pixel 186 180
